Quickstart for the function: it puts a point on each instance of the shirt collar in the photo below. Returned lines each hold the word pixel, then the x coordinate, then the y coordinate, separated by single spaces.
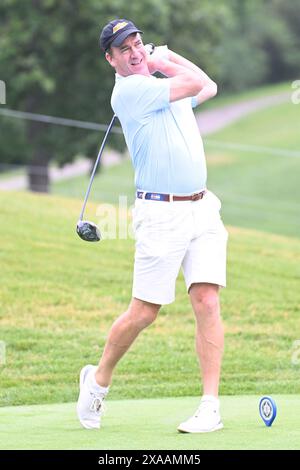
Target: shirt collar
pixel 118 77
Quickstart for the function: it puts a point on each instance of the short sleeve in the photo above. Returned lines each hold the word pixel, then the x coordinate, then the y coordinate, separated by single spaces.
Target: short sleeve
pixel 194 101
pixel 141 95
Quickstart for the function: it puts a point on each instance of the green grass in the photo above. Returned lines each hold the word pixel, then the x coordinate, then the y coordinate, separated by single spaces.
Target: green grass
pixel 60 295
pixel 151 424
pixel 258 190
pixel 107 186
pixel 275 126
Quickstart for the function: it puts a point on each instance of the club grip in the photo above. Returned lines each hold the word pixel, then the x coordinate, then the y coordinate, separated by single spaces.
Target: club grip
pixel 150 47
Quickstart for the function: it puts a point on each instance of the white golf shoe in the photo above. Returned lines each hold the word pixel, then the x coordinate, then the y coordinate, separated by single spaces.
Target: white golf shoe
pixel 206 419
pixel 90 406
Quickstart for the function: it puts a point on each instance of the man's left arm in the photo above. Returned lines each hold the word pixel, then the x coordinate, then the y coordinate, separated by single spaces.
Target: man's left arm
pixel 209 89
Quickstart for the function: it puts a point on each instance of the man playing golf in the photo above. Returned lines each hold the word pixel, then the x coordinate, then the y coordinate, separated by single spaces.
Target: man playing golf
pixel 176 220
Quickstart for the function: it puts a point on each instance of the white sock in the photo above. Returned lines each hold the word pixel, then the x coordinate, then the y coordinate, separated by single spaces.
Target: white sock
pixel 96 387
pixel 211 398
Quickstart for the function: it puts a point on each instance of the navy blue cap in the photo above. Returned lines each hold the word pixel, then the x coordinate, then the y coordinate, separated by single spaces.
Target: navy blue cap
pixel 115 32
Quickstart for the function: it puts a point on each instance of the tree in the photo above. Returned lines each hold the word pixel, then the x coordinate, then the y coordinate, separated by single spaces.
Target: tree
pixel 50 60
pixel 280 40
pixel 260 43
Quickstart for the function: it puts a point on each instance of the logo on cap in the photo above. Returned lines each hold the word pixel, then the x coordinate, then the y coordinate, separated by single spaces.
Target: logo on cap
pixel 119 26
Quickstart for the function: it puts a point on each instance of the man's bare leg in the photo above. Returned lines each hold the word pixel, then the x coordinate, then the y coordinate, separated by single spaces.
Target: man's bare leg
pixel 209 345
pixel 123 332
pixel 209 334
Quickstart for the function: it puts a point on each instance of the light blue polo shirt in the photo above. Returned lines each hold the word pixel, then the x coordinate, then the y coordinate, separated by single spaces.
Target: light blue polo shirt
pixel 163 138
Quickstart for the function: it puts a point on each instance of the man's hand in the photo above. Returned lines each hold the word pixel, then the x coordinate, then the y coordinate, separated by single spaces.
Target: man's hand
pixel 155 60
pixel 150 47
pixel 209 87
pixel 186 78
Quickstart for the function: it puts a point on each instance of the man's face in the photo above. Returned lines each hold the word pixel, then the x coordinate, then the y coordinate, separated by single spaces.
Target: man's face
pixel 129 58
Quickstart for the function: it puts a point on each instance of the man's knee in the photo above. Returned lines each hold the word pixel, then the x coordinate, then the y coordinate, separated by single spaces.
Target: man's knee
pixel 144 313
pixel 205 298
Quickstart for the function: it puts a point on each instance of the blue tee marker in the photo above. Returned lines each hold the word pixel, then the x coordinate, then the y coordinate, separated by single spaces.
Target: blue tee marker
pixel 267 410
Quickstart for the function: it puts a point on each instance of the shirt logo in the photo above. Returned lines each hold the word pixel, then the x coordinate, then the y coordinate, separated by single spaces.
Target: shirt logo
pixel 119 26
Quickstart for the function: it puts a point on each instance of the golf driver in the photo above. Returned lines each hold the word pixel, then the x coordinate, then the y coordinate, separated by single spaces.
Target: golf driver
pixel 87 230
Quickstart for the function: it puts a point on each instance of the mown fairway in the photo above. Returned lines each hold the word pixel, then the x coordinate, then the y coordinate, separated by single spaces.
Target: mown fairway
pixel 151 424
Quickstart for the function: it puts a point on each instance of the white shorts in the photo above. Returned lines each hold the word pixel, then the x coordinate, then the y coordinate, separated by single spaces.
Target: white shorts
pixel 170 235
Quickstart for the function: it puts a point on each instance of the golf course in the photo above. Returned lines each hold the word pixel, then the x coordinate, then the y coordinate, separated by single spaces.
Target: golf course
pixel 60 295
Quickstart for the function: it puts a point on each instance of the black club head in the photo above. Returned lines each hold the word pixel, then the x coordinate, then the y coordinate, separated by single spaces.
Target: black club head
pixel 88 231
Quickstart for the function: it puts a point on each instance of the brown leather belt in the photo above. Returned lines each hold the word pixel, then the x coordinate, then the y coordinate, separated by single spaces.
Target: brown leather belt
pixel 169 197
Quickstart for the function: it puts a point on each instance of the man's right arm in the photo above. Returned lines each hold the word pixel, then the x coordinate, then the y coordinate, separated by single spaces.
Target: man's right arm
pixel 184 82
pixel 186 79
pixel 209 88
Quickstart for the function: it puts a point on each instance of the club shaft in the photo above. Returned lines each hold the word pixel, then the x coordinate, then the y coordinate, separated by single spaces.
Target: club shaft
pixel 95 166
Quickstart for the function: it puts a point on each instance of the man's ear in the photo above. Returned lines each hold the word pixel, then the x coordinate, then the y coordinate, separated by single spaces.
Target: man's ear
pixel 109 59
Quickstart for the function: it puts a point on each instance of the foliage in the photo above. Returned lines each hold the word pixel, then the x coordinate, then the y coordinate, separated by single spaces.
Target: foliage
pixel 258 44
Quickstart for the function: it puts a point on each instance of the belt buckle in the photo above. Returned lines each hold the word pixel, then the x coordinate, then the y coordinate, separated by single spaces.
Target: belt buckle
pixel 195 196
